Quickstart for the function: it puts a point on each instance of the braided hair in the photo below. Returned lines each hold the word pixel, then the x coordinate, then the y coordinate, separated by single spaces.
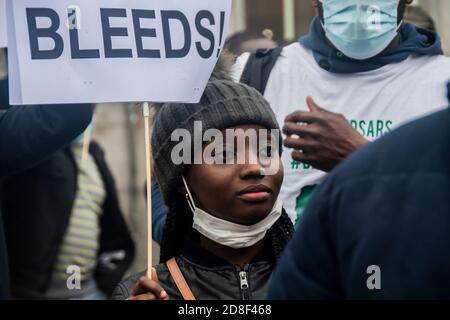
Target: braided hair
pixel 179 224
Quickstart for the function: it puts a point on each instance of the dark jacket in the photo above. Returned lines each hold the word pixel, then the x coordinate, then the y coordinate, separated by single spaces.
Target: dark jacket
pixel 387 206
pixel 28 135
pixel 37 205
pixel 210 277
pixel 159 214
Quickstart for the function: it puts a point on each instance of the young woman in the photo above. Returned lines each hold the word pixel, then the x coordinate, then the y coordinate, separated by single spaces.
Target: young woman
pixel 226 227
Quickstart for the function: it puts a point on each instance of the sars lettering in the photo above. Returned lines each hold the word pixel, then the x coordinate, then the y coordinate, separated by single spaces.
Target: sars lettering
pixel 372 128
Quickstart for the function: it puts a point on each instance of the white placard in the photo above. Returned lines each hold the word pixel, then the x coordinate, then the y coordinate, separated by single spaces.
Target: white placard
pixel 92 51
pixel 2 24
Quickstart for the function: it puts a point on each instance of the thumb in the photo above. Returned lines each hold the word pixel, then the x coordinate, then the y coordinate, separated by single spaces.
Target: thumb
pixel 153 276
pixel 312 106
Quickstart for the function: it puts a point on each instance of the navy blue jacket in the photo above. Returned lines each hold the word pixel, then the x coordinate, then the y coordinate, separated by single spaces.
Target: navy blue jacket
pixel 387 206
pixel 27 136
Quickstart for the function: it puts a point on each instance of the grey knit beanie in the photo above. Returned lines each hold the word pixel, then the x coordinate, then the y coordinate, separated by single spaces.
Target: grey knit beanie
pixel 224 104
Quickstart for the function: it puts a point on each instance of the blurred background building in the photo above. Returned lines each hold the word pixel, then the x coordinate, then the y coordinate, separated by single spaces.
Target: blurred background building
pixel 120 130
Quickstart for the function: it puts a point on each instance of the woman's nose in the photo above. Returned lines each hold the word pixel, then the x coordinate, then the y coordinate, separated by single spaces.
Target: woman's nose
pixel 252 167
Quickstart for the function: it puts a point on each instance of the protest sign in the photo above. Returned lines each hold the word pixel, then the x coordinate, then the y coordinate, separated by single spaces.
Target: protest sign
pixel 90 51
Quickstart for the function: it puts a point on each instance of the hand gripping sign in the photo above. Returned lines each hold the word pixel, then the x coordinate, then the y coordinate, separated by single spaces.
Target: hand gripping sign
pixel 89 51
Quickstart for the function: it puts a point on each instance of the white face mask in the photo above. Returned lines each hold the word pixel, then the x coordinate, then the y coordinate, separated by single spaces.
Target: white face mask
pixel 231 234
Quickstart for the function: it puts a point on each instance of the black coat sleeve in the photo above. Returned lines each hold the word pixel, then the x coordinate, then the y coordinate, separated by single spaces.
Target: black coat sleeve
pixel 28 134
pixel 115 235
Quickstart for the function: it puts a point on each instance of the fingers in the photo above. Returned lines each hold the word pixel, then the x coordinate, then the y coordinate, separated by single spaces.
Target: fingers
pixel 147 287
pixel 145 296
pixel 311 104
pixel 302 116
pixel 298 143
pixel 154 275
pixel 302 130
pixel 313 107
pixel 303 157
pixel 315 114
pixel 304 149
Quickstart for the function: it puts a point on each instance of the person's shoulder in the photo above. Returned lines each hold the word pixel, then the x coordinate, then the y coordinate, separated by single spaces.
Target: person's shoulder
pixel 293 51
pixel 295 60
pixel 296 51
pixel 434 64
pixel 294 48
pixel 440 59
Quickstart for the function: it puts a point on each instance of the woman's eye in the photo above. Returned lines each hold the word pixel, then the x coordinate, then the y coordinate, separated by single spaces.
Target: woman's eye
pixel 266 152
pixel 224 156
pixel 228 155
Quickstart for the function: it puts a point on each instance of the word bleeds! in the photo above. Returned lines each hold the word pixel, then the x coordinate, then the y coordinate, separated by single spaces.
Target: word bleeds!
pixel 166 18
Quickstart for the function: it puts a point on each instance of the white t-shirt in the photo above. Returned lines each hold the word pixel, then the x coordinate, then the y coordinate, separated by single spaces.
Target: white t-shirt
pixel 374 102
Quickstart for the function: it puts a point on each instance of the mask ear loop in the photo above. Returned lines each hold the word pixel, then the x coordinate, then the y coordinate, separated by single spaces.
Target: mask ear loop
pixel 189 198
pixel 400 24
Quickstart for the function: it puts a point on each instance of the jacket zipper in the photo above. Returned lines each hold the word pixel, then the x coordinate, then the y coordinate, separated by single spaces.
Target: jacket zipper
pixel 243 283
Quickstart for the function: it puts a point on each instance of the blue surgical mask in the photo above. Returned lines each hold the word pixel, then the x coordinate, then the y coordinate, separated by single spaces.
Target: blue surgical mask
pixel 360 29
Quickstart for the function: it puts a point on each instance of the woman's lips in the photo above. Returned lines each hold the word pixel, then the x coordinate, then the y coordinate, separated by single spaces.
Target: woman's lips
pixel 255 196
pixel 255 193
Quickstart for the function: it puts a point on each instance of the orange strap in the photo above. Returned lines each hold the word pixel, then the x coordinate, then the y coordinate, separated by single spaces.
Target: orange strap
pixel 179 279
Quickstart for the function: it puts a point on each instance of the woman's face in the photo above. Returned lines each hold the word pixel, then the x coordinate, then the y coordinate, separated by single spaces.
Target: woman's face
pixel 238 192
